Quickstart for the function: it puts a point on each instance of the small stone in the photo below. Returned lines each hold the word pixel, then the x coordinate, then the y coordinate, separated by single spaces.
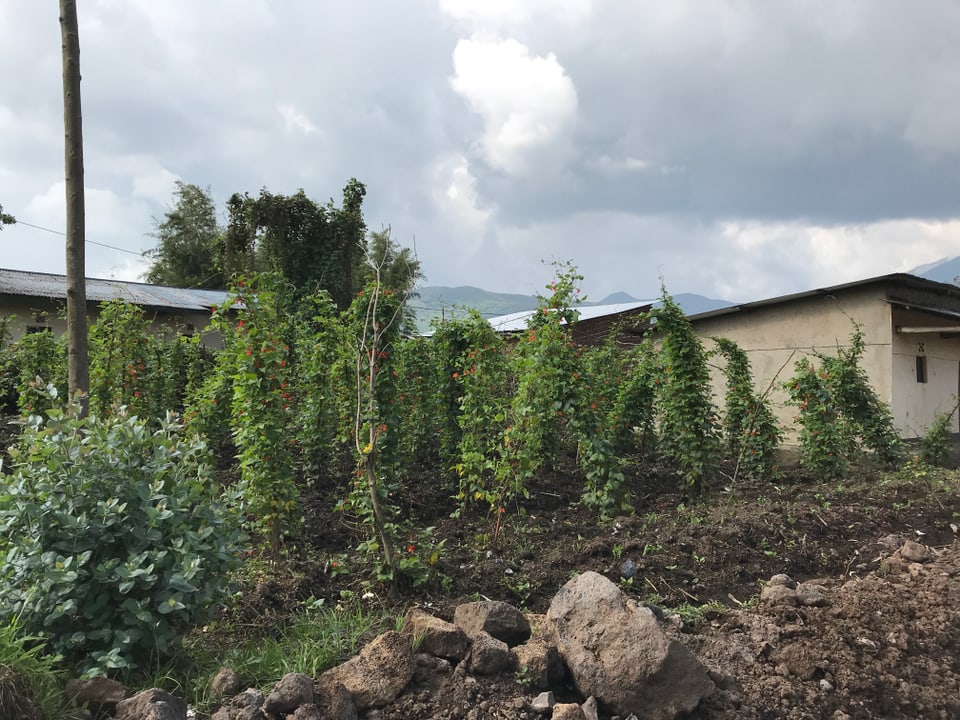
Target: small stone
pixel 499 619
pixel 915 552
pixel 436 637
pixel 251 697
pixel 290 692
pixel 97 694
pixel 778 595
pixel 826 685
pixel 567 711
pixel 589 708
pixel 152 703
pixel 489 656
pixel 784 580
pixel 225 684
pixel 543 702
pixel 810 595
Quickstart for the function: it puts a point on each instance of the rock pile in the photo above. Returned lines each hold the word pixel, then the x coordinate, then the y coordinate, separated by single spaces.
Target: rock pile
pixel 595 651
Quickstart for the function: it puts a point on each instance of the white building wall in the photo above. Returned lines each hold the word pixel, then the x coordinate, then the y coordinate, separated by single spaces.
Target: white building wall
pixel 916 404
pixel 776 336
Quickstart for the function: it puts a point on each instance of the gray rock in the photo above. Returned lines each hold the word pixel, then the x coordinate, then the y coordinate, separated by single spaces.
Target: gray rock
pixel 567 711
pixel 334 701
pixel 379 673
pixel 778 595
pixel 245 705
pixel 616 651
pixel 99 695
pixel 499 619
pixel 290 692
pixel 225 684
pixel 489 656
pixel 784 580
pixel 152 704
pixel 810 595
pixel 429 667
pixel 915 552
pixel 590 709
pixel 308 712
pixel 436 636
pixel 543 703
pixel 538 664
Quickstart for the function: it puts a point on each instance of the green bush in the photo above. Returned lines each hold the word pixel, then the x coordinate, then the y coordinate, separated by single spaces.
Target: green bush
pixel 113 538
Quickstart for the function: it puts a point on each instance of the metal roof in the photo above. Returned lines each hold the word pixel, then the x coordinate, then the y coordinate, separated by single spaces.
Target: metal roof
pixel 518 321
pixel 897 280
pixel 34 284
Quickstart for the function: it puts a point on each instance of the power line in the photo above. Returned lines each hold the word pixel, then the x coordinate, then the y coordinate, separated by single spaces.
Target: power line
pixel 92 242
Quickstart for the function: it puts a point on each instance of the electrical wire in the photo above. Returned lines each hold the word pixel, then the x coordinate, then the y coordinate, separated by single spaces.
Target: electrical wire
pixel 92 242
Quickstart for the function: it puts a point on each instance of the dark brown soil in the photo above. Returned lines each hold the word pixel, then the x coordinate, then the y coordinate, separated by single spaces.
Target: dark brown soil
pixel 886 647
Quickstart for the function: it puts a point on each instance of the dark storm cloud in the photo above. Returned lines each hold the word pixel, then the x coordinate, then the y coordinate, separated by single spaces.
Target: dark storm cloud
pixel 823 112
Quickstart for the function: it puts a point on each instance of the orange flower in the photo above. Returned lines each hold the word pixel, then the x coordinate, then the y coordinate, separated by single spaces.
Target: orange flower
pixel 411 548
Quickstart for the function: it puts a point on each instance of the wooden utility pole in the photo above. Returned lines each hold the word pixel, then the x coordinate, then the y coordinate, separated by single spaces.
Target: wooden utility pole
pixel 78 363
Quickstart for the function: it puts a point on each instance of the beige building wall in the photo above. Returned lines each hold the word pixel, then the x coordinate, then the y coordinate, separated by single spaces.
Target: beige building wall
pixel 776 336
pixel 28 314
pixel 917 400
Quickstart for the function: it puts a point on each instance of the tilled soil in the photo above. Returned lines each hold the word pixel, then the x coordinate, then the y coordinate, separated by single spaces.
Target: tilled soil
pixel 884 646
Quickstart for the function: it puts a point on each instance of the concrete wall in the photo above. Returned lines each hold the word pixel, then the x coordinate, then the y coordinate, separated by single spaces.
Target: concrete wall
pixel 777 336
pixel 916 404
pixel 27 313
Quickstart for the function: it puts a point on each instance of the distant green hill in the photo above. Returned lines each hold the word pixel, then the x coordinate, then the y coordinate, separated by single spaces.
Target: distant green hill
pixel 437 301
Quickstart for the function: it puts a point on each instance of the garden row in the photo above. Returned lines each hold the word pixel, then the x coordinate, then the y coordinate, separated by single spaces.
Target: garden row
pixel 115 537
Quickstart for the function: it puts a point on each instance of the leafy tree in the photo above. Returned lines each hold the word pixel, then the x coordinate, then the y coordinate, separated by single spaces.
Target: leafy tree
pixel 312 246
pixel 399 271
pixel 6 218
pixel 189 239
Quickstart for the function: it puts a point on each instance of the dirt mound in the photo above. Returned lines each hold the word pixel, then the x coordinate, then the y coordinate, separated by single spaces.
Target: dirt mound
pixel 885 646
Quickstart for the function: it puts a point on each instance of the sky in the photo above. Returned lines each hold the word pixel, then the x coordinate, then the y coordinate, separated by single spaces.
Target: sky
pixel 739 149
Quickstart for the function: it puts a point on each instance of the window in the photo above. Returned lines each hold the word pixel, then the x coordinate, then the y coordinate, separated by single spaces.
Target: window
pixel 921 368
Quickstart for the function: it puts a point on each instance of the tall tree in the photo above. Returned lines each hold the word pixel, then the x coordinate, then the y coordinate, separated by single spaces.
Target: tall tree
pixel 396 270
pixel 313 246
pixel 6 219
pixel 78 364
pixel 189 238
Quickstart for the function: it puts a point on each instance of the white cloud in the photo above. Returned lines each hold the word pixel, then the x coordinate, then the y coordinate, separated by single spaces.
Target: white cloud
pixel 293 119
pixel 528 104
pixel 497 15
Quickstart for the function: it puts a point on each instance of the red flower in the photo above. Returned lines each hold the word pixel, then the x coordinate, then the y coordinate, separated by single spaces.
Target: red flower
pixel 411 548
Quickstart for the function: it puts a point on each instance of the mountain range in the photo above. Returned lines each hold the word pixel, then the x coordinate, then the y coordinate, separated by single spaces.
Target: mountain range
pixel 438 301
pixel 946 270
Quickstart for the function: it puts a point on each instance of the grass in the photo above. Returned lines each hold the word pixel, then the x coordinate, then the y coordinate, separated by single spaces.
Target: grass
pixel 314 639
pixel 31 682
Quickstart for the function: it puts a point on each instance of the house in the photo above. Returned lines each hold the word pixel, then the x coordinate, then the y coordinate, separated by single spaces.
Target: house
pixel 35 302
pixel 594 324
pixel 911 329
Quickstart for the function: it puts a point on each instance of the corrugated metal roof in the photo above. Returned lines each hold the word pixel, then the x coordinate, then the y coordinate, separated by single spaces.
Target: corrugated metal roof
pixel 34 284
pixel 902 280
pixel 517 321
